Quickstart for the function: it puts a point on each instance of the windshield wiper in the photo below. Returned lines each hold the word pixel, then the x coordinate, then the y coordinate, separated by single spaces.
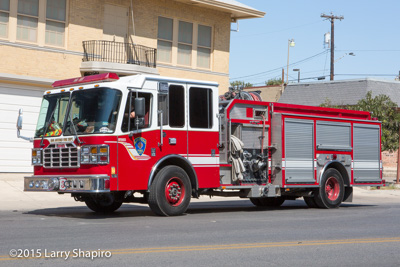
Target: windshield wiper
pixel 76 133
pixel 48 125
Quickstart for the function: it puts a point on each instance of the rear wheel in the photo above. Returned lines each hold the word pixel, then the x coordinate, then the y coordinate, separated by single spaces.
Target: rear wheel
pixel 310 201
pixel 170 192
pixel 331 192
pixel 104 203
pixel 268 201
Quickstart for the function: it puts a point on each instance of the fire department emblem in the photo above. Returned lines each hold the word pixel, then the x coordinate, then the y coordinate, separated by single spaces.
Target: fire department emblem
pixel 140 145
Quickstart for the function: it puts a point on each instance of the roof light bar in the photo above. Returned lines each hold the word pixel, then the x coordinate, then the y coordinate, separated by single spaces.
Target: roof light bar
pixel 103 77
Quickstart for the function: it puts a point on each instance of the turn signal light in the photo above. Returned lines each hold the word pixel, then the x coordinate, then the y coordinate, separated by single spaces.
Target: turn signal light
pixel 95 154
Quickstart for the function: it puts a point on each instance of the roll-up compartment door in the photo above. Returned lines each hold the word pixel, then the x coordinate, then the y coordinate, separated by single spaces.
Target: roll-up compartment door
pixel 366 155
pixel 333 136
pixel 299 151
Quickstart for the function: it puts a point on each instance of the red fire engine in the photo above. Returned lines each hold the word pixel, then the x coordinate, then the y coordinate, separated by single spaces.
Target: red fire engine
pixel 109 140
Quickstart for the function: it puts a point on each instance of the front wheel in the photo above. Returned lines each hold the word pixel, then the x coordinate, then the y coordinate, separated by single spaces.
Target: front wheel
pixel 103 203
pixel 331 191
pixel 170 192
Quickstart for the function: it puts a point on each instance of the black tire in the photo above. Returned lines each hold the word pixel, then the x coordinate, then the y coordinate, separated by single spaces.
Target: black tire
pixel 256 201
pixel 267 201
pixel 170 192
pixel 102 203
pixel 331 191
pixel 310 201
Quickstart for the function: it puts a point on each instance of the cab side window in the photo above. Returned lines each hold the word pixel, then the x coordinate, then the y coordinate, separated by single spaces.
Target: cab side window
pixel 200 108
pixel 129 113
pixel 177 101
pixel 172 105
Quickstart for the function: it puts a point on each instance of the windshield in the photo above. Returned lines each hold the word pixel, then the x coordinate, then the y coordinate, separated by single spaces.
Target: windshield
pixel 93 111
pixel 52 114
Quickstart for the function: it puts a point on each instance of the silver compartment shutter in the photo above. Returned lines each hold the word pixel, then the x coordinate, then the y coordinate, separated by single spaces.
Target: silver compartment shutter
pixel 333 136
pixel 299 151
pixel 238 111
pixel 252 137
pixel 366 153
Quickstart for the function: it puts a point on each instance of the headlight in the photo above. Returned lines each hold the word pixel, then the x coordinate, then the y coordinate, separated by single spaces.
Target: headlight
pixel 95 154
pixel 53 184
pixel 37 157
pixel 44 184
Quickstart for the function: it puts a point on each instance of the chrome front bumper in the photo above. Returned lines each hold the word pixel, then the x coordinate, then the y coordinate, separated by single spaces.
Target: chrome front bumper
pixel 68 183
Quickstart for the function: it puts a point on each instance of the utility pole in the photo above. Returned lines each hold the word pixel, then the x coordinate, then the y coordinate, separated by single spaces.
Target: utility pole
pixel 332 19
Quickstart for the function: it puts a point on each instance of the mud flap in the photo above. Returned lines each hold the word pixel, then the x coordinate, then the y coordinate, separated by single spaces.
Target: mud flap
pixel 348 194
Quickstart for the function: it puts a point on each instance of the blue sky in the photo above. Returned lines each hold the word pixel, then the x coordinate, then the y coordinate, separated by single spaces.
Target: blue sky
pixel 370 29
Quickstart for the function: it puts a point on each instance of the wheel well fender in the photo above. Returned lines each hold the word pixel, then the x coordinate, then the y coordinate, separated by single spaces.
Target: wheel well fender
pixel 337 165
pixel 179 161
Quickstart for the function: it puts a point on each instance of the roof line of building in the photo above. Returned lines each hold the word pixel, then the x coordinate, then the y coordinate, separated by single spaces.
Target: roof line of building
pixel 245 11
pixel 25 79
pixel 344 81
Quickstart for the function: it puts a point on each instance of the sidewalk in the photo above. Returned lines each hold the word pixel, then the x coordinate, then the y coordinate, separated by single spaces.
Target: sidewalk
pixel 12 196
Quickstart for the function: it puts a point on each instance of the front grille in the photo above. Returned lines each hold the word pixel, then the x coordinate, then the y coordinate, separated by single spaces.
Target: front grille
pixel 61 156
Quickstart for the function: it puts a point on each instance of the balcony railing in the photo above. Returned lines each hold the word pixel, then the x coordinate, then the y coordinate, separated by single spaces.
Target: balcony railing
pixel 116 52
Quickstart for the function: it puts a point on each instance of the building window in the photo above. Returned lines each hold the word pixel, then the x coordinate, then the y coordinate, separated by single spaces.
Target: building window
pixel 55 22
pixel 185 41
pixel 4 15
pixel 190 43
pixel 27 20
pixel 164 42
pixel 204 47
pixel 38 21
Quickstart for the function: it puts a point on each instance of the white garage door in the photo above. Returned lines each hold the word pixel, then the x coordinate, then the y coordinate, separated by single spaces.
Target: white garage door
pixel 15 153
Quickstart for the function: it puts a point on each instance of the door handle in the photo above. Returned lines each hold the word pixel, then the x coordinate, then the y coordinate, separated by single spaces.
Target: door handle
pixel 172 141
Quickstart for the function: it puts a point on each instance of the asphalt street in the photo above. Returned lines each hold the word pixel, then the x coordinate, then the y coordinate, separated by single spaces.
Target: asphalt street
pixel 211 233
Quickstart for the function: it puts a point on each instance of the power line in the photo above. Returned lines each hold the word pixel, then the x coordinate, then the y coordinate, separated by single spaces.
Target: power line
pixel 281 30
pixel 367 74
pixel 276 69
pixel 371 50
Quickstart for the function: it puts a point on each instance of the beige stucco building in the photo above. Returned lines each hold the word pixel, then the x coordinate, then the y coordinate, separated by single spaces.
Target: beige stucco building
pixel 45 40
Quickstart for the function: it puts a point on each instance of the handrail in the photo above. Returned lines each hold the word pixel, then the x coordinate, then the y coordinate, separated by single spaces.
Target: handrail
pixel 118 52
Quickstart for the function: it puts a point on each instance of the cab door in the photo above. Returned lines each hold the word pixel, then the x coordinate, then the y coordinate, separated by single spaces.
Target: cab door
pixel 172 117
pixel 203 134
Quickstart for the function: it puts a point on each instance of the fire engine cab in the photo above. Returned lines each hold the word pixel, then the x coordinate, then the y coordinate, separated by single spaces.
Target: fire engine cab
pixel 108 140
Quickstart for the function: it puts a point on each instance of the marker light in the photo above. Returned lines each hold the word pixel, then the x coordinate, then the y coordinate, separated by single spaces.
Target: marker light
pixel 103 77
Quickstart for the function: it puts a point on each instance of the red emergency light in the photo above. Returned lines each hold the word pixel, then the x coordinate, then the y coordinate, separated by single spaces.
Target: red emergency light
pixel 103 77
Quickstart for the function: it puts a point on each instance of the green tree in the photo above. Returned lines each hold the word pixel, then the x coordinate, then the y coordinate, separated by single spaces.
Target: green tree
pixel 274 81
pixel 241 83
pixel 383 108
